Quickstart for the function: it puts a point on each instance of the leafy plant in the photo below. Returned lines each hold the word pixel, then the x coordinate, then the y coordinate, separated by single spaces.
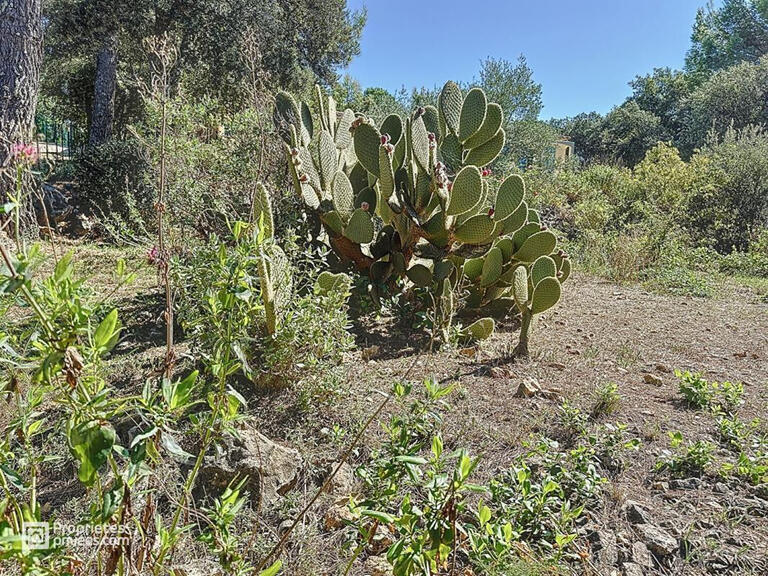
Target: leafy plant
pixel 688 459
pixel 716 396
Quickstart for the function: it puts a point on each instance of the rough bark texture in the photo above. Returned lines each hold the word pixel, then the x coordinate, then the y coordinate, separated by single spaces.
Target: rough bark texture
pixel 103 112
pixel 21 55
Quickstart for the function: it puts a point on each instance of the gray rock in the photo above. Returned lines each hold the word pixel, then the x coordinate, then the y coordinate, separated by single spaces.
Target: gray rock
pixel 760 490
pixel 604 545
pixel 721 488
pixel 641 555
pixel 377 566
pixel 271 469
pixel 653 380
pixel 527 388
pixel 343 483
pixel 685 484
pixel 658 540
pixel 631 569
pixel 636 513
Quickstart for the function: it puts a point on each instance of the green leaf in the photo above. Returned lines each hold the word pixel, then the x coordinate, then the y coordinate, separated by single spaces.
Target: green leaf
pixel 272 570
pixel 90 444
pixel 106 331
pixel 378 515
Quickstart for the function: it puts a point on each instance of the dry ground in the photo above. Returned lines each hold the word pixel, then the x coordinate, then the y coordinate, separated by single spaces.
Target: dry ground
pixel 599 333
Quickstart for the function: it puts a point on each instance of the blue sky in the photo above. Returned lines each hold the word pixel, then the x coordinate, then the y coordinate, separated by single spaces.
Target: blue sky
pixel 583 52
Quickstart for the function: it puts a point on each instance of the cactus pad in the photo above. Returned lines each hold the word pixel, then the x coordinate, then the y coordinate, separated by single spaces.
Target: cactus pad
pixel 479 329
pixel 476 230
pixel 509 197
pixel 492 266
pixel 367 141
pixel 466 191
pixel 262 211
pixel 343 195
pixel 472 113
pixel 486 153
pixel 520 286
pixel 494 116
pixel 450 103
pixel 359 229
pixel 544 267
pixel 545 295
pixel 538 244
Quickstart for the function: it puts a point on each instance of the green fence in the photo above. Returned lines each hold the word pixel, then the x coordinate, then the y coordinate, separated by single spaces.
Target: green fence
pixel 58 140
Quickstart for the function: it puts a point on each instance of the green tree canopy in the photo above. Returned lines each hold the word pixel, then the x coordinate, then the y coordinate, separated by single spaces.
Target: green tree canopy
pixel 724 36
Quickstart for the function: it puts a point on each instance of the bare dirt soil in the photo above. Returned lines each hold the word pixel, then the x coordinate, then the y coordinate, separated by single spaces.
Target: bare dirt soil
pixel 599 333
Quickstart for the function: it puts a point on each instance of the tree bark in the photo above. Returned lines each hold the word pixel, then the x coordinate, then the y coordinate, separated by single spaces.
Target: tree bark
pixel 21 55
pixel 103 111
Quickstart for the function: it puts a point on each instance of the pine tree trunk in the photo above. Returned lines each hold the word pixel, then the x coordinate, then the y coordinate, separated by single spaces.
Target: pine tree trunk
pixel 103 112
pixel 21 55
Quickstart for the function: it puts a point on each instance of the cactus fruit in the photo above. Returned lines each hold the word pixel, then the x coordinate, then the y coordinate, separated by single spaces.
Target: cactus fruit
pixel 413 198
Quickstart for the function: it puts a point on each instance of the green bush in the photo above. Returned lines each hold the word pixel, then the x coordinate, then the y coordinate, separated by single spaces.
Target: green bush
pixel 115 182
pixel 731 210
pixel 280 328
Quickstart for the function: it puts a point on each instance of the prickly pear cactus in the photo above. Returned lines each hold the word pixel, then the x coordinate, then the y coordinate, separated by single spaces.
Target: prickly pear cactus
pixel 412 198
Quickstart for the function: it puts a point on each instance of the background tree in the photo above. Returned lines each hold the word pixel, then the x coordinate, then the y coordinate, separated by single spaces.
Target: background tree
pixel 21 38
pixel 585 130
pixel 293 42
pixel 736 96
pixel 628 131
pixel 512 87
pixel 725 36
pixel 662 93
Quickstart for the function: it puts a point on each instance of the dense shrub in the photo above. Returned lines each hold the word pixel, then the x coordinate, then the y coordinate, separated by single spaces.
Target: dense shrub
pixel 115 182
pixel 222 308
pixel 734 210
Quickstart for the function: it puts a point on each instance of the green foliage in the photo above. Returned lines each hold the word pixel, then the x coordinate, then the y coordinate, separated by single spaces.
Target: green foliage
pixel 424 204
pixel 733 210
pixel 607 399
pixel 733 98
pixel 688 459
pixel 239 300
pixel 735 31
pixel 716 396
pixel 226 50
pixel 115 182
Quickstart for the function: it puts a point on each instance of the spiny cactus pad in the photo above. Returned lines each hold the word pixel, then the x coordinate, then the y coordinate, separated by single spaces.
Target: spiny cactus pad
pixel 413 198
pixel 466 192
pixel 472 113
pixel 545 295
pixel 480 329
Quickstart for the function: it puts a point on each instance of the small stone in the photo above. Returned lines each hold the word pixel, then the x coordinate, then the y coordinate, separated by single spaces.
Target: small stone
pixel 338 515
pixel 604 543
pixel 635 512
pixel 760 490
pixel 631 569
pixel 653 379
pixel 721 488
pixel 658 540
pixel 527 388
pixel 344 482
pixel 557 366
pixel 641 555
pixel 377 566
pixel 685 484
